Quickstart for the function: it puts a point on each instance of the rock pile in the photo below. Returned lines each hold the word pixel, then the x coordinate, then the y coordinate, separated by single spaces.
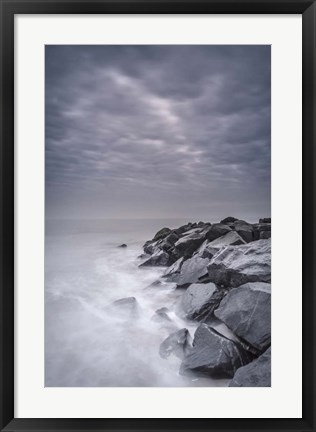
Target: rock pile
pixel 225 271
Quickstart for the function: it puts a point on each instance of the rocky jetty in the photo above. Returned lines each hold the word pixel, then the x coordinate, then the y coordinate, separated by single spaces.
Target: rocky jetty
pixel 224 271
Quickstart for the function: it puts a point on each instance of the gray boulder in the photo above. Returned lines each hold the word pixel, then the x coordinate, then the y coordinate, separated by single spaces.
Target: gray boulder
pixel 245 231
pixel 162 234
pixel 193 270
pixel 214 355
pixel 127 307
pixel 188 244
pixel 255 374
pixel 265 234
pixel 158 258
pixel 199 301
pixel 168 242
pixel 232 238
pixel 143 256
pixel 177 343
pixel 246 310
pixel 217 230
pixel 161 315
pixel 184 228
pixel 172 273
pixel 265 220
pixel 229 219
pixel 150 247
pixel 203 251
pixel 236 265
pixel 259 228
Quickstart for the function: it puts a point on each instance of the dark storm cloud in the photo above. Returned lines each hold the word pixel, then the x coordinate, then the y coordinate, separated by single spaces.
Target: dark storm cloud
pixel 151 131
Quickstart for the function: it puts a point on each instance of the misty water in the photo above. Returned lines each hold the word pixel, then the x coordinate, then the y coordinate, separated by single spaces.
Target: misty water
pixel 85 344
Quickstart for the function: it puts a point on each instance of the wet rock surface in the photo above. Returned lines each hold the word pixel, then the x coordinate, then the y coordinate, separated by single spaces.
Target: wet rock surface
pixel 246 310
pixel 214 355
pixel 199 301
pixel 233 266
pixel 223 274
pixel 177 343
pixel 255 374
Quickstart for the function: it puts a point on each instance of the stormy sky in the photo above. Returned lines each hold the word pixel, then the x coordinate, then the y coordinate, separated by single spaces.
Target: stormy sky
pixel 157 131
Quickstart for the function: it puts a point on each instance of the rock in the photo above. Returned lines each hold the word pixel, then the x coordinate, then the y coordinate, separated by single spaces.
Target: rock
pixel 265 234
pixel 161 315
pixel 255 374
pixel 246 310
pixel 245 231
pixel 203 224
pixel 222 328
pixel 265 220
pixel 203 252
pixel 229 219
pixel 216 231
pixel 122 245
pixel 236 265
pixel 262 227
pixel 214 355
pixel 199 301
pixel 168 242
pixel 193 270
pixel 188 244
pixel 232 238
pixel 172 273
pixel 177 343
pixel 150 247
pixel 128 307
pixel 182 229
pixel 155 283
pixel 159 258
pixel 143 256
pixel 258 228
pixel 162 234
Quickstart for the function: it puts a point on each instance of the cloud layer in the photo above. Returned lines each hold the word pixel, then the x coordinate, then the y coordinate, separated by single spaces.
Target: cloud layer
pixel 157 131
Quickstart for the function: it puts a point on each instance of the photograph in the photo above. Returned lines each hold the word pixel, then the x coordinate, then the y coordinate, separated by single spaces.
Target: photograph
pixel 157 216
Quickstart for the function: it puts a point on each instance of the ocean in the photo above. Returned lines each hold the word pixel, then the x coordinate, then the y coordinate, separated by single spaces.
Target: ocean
pixel 85 271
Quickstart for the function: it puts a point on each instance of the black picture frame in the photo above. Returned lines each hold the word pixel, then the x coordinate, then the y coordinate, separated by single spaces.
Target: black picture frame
pixel 8 10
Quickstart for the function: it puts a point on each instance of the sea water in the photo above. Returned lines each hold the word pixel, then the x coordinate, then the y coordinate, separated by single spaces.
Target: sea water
pixel 85 271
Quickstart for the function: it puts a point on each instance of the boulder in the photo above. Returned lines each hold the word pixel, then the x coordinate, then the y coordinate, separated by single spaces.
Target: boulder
pixel 143 256
pixel 155 283
pixel 158 258
pixel 265 220
pixel 236 265
pixel 177 343
pixel 217 230
pixel 203 252
pixel 229 219
pixel 184 228
pixel 161 315
pixel 214 355
pixel 259 228
pixel 127 307
pixel 254 374
pixel 172 273
pixel 123 245
pixel 246 310
pixel 265 234
pixel 168 242
pixel 193 270
pixel 199 301
pixel 232 238
pixel 150 247
pixel 162 234
pixel 245 231
pixel 188 244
